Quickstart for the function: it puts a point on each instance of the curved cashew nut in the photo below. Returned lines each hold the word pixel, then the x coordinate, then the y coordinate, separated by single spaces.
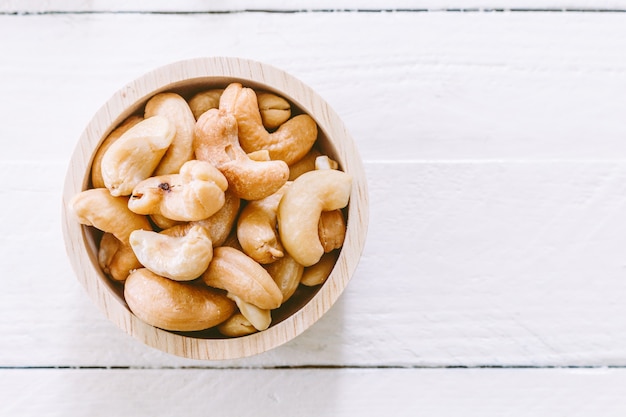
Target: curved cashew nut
pixel 162 222
pixel 173 305
pixel 96 168
pixel 98 208
pixel 221 223
pixel 175 108
pixel 324 162
pixel 135 155
pixel 181 258
pixel 332 230
pixel 286 273
pixel 318 273
pixel 218 226
pixel 236 326
pixel 216 141
pixel 300 209
pixel 260 318
pixel 205 100
pixel 274 109
pixel 240 275
pixel 256 228
pixel 306 164
pixel 289 143
pixel 115 258
pixel 194 194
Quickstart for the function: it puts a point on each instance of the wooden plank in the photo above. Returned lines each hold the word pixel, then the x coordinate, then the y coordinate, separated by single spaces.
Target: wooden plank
pixel 466 264
pixel 337 392
pixel 41 6
pixel 466 86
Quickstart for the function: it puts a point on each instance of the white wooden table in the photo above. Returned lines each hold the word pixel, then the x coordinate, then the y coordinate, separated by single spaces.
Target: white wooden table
pixel 493 281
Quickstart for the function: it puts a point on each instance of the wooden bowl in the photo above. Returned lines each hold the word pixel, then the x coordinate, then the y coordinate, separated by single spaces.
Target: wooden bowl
pixel 186 78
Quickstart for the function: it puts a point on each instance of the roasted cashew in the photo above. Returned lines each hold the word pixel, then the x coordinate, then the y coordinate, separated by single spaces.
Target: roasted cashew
pixel 221 223
pixel 98 208
pixel 173 305
pixel 218 226
pixel 181 258
pixel 115 258
pixel 300 209
pixel 306 164
pixel 240 275
pixel 162 222
pixel 175 108
pixel 236 326
pixel 262 155
pixel 318 273
pixel 256 228
pixel 96 169
pixel 286 273
pixel 332 229
pixel 260 318
pixel 324 162
pixel 216 141
pixel 232 241
pixel 289 143
pixel 135 155
pixel 205 100
pixel 274 109
pixel 194 194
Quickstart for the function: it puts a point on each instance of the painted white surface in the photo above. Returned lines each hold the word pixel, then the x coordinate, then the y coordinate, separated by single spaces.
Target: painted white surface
pixel 44 6
pixel 315 392
pixel 494 145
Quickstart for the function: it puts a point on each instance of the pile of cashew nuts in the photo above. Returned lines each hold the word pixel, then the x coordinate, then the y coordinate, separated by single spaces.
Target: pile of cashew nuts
pixel 215 209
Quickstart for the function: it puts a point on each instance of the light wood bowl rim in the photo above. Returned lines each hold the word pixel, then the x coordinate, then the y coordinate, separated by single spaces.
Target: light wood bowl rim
pixel 181 73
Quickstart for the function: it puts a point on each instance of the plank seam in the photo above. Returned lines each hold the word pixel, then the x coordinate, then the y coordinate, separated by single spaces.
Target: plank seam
pixel 306 367
pixel 295 11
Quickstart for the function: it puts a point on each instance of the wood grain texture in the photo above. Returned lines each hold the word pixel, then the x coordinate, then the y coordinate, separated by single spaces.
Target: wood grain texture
pixel 304 392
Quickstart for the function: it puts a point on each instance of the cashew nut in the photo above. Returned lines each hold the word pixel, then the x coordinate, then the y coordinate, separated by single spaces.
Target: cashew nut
pixel 98 208
pixel 205 100
pixel 232 241
pixel 216 141
pixel 236 326
pixel 240 275
pixel 300 209
pixel 306 164
pixel 332 229
pixel 289 143
pixel 177 111
pixel 286 273
pixel 318 273
pixel 218 226
pixel 274 109
pixel 115 258
pixel 135 155
pixel 173 305
pixel 181 258
pixel 261 155
pixel 96 169
pixel 260 318
pixel 324 162
pixel 221 223
pixel 256 228
pixel 163 222
pixel 194 194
